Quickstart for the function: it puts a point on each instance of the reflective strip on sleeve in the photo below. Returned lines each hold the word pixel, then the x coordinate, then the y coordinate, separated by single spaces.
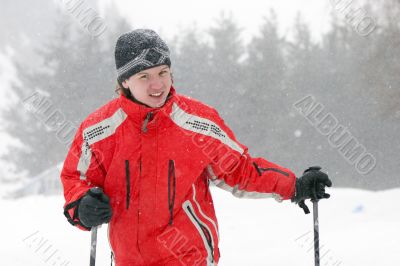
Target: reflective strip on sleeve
pixel 202 126
pixel 84 160
pixel 240 193
pixel 96 133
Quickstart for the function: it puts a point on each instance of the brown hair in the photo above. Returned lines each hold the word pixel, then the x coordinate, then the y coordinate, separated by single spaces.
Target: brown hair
pixel 119 89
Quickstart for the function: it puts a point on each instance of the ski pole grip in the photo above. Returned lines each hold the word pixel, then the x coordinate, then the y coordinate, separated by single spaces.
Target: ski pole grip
pixel 95 192
pixel 305 208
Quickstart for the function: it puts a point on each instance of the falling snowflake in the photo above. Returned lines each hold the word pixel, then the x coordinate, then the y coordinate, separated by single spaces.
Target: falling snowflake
pixel 297 133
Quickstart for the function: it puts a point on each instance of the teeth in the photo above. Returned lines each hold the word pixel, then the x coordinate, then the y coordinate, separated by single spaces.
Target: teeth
pixel 156 94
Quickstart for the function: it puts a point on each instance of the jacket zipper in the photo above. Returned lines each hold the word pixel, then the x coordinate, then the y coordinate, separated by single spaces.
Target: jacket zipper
pixel 128 183
pixel 146 121
pixel 261 170
pixel 204 231
pixel 171 191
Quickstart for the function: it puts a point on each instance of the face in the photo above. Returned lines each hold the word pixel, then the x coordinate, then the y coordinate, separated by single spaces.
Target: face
pixel 150 86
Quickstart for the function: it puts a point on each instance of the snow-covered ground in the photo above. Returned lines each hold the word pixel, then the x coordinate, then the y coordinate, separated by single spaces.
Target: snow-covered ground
pixel 356 228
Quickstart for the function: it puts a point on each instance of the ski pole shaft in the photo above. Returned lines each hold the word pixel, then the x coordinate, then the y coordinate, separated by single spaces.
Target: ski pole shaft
pixel 93 246
pixel 95 192
pixel 316 232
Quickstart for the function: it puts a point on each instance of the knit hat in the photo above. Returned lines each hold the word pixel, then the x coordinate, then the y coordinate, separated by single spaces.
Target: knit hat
pixel 139 50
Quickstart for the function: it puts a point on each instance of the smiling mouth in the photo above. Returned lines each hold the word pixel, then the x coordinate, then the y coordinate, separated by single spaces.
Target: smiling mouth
pixel 156 95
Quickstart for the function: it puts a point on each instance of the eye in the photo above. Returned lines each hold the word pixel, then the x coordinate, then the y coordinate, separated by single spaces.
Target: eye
pixel 143 77
pixel 163 73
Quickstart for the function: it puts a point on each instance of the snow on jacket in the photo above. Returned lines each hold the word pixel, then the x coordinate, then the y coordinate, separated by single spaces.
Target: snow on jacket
pixel 156 164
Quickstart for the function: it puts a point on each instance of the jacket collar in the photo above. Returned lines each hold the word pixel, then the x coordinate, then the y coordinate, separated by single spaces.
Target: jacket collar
pixel 138 112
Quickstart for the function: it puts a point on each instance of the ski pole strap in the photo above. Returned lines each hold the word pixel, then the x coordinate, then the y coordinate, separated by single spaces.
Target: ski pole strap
pixel 71 206
pixel 303 205
pixel 74 220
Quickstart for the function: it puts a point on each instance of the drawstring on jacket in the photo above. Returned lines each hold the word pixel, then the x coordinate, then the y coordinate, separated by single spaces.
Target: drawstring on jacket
pixel 171 194
pixel 146 121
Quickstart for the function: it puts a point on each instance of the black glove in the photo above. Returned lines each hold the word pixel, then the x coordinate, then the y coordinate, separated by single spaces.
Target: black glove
pixel 311 186
pixel 94 208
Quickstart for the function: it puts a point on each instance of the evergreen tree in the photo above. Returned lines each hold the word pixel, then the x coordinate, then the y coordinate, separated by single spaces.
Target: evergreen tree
pixel 77 76
pixel 191 64
pixel 225 80
pixel 263 89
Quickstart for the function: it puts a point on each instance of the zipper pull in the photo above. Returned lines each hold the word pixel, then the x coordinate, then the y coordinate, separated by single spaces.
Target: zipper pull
pixel 146 121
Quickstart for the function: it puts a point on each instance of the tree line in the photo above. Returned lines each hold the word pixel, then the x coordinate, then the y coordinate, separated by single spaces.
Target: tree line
pixel 253 85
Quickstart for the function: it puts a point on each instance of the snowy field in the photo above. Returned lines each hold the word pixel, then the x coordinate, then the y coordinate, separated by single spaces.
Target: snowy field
pixel 357 228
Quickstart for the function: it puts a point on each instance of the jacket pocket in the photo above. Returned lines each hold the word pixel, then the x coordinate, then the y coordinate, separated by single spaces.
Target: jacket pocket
pixel 171 190
pixel 260 170
pixel 203 230
pixel 127 183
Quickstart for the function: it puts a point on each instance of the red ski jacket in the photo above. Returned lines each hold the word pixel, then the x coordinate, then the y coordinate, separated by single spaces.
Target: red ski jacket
pixel 156 164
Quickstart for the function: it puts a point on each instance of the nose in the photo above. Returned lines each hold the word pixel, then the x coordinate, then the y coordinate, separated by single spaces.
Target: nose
pixel 156 83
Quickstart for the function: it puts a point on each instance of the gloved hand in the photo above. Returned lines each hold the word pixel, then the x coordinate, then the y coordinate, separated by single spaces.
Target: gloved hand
pixel 311 185
pixel 94 208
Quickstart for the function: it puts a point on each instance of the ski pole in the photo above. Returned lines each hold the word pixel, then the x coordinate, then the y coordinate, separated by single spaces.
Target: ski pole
pixel 93 246
pixel 316 232
pixel 94 192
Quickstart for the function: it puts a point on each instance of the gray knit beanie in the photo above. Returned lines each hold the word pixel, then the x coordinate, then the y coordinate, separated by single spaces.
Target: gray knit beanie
pixel 139 50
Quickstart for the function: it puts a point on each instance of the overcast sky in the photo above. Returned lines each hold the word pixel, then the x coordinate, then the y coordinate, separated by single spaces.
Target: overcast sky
pixel 172 15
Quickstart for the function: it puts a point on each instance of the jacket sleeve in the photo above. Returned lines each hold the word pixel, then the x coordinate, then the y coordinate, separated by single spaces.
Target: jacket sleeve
pixel 81 171
pixel 234 170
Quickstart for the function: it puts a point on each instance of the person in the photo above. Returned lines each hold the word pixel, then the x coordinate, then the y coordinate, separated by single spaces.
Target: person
pixel 144 161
